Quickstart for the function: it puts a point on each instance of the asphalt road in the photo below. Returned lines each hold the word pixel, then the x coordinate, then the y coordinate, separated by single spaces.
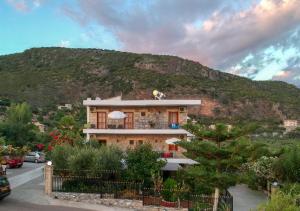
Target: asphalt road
pixel 9 204
pixel 28 193
pixel 25 168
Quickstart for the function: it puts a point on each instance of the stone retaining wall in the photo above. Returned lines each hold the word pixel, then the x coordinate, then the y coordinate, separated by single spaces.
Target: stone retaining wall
pixel 110 202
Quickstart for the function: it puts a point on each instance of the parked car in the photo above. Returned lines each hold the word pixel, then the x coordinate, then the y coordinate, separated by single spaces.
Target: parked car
pixel 4 187
pixel 37 157
pixel 13 161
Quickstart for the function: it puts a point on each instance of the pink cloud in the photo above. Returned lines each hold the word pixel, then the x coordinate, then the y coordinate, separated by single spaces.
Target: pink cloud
pixel 25 6
pixel 168 27
pixel 290 76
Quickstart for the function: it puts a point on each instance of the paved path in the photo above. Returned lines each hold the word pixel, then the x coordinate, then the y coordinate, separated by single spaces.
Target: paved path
pixel 245 199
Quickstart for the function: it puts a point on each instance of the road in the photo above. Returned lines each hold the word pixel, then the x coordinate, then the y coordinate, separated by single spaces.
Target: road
pixel 28 193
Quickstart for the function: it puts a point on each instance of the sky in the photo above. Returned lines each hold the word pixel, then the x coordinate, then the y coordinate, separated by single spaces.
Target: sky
pixel 258 39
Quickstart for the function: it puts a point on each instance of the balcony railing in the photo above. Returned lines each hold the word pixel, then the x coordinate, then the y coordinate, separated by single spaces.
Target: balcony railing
pixel 156 125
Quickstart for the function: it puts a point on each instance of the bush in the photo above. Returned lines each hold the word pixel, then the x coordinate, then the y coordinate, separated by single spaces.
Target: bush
pixel 142 163
pixel 169 190
pixel 82 161
pixel 109 158
pixel 280 202
pixel 287 168
pixel 60 156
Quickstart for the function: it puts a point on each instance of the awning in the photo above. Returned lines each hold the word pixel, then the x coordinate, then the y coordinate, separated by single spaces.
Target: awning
pixel 172 140
pixel 171 167
pixel 185 161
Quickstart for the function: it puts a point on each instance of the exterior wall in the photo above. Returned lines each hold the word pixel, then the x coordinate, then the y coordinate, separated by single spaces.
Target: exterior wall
pixel 290 123
pixel 123 141
pixel 157 115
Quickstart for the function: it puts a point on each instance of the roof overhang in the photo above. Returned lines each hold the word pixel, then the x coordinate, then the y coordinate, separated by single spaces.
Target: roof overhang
pixel 185 161
pixel 141 103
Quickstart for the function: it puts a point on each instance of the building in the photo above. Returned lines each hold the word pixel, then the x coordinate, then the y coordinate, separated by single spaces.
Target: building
pixel 66 106
pixel 158 122
pixel 39 125
pixel 290 124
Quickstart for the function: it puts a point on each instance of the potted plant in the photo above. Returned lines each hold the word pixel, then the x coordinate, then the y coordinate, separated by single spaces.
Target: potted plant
pixel 152 124
pixel 169 193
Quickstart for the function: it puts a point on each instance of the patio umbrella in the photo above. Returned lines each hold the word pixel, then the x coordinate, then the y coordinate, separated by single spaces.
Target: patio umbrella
pixel 117 115
pixel 172 140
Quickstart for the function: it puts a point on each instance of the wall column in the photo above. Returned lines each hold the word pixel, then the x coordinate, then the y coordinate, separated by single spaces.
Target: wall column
pixel 48 176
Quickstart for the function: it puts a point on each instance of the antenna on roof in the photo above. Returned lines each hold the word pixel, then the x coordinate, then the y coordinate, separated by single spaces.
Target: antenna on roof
pixel 158 95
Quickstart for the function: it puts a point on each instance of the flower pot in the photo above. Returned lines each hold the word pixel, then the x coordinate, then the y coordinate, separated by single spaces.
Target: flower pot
pixel 164 203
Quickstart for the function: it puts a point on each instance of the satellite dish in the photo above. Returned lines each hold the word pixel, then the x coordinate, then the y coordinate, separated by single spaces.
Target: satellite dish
pixel 158 95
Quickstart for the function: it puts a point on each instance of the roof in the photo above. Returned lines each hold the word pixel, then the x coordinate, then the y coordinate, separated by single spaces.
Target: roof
pixel 138 131
pixel 143 103
pixel 186 161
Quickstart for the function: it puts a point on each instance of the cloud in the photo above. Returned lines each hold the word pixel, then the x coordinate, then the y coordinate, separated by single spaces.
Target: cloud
pixel 290 76
pixel 64 43
pixel 25 5
pixel 224 36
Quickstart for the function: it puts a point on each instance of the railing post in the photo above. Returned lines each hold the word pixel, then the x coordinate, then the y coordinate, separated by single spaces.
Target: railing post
pixel 48 176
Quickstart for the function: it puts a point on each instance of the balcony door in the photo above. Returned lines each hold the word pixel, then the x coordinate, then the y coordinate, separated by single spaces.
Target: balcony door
pixel 128 121
pixel 101 120
pixel 173 118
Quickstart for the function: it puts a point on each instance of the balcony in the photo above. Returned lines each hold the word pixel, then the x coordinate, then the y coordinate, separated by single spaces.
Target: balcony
pixel 149 125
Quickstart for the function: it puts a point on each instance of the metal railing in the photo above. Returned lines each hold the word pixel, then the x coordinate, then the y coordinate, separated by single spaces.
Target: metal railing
pixel 106 184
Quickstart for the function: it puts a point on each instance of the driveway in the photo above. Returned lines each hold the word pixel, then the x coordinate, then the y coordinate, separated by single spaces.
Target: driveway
pixel 28 193
pixel 245 199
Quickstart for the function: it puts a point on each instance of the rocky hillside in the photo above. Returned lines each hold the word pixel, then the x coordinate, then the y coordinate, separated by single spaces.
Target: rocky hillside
pixel 46 77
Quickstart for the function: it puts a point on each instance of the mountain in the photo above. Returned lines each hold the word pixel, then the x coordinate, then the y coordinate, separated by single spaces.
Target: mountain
pixel 45 77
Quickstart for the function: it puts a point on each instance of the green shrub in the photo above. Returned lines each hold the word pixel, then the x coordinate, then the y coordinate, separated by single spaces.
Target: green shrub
pixel 82 161
pixel 287 168
pixel 60 156
pixel 169 190
pixel 108 158
pixel 280 202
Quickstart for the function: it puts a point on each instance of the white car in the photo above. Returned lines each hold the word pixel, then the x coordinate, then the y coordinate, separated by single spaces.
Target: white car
pixel 37 157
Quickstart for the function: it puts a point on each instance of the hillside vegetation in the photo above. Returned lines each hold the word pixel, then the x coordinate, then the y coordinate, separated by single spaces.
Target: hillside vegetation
pixel 45 77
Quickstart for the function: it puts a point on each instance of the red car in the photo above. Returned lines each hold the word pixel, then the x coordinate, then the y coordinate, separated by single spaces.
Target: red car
pixel 13 162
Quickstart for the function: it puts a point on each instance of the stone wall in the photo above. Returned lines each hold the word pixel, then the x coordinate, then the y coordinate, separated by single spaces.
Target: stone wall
pixel 109 202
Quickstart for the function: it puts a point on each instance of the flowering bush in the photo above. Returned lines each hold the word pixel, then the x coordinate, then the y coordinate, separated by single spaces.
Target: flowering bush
pixel 256 174
pixel 263 167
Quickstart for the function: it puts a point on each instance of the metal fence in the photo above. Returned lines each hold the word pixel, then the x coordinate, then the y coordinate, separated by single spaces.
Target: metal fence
pixel 63 182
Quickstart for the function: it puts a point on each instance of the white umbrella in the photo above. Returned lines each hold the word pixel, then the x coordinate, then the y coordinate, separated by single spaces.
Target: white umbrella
pixel 116 115
pixel 172 140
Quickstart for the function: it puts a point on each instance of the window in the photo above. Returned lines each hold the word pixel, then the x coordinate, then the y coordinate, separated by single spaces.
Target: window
pixel 143 113
pixel 141 141
pixel 131 142
pixel 102 142
pixel 173 117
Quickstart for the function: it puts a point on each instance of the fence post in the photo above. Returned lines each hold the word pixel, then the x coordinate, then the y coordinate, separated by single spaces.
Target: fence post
pixel 216 199
pixel 48 176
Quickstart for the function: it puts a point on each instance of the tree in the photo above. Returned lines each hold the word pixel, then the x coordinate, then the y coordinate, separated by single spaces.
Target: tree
pixel 142 162
pixel 68 132
pixel 17 127
pixel 218 159
pixel 287 167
